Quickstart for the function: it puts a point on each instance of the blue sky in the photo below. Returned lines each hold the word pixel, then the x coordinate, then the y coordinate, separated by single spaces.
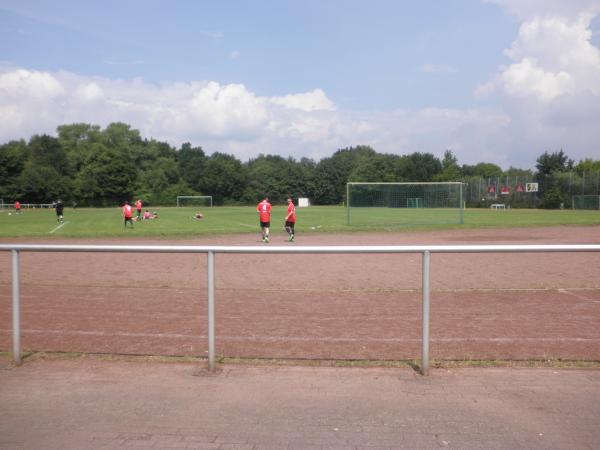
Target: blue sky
pixel 497 80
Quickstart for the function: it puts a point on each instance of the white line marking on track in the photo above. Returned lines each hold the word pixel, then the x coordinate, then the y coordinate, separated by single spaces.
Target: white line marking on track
pixel 59 227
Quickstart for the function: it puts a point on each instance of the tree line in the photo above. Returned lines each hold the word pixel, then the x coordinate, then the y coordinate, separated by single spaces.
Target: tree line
pixel 91 166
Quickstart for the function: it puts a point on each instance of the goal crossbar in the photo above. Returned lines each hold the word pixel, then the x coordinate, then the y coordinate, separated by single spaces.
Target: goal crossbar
pixel 181 199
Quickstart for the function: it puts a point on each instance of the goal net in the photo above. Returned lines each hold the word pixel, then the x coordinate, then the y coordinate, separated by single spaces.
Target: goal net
pixel 202 201
pixel 586 202
pixel 405 203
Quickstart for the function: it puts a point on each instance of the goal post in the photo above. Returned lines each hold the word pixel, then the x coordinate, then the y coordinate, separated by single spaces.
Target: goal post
pixel 586 202
pixel 195 200
pixel 405 203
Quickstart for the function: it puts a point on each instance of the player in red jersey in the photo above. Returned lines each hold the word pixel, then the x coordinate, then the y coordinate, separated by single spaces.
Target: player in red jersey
pixel 138 207
pixel 290 219
pixel 264 215
pixel 127 210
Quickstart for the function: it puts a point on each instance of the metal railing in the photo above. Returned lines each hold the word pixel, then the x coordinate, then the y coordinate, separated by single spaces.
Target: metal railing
pixel 425 250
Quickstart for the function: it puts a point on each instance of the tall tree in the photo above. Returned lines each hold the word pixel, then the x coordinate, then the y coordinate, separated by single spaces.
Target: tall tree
pixel 421 167
pixel 13 157
pixel 548 163
pixel 191 162
pixel 223 178
pixel 108 177
pixel 450 169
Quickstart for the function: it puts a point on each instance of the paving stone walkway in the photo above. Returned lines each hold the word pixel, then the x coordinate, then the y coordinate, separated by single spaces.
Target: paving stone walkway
pixel 96 403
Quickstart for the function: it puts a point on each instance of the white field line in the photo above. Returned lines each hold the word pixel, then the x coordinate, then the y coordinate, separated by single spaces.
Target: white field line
pixel 59 227
pixel 302 338
pixel 248 225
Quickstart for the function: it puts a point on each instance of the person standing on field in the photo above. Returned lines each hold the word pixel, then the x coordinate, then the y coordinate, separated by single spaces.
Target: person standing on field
pixel 59 207
pixel 264 214
pixel 138 207
pixel 290 219
pixel 127 211
pixel 17 207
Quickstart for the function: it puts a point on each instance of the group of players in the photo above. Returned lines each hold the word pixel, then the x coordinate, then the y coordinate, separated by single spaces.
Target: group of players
pixel 264 215
pixel 263 209
pixel 128 216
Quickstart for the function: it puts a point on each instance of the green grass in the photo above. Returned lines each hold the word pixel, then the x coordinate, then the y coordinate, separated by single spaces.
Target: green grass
pixel 178 222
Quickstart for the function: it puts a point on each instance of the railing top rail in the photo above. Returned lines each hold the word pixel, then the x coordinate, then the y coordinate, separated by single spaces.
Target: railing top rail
pixel 510 248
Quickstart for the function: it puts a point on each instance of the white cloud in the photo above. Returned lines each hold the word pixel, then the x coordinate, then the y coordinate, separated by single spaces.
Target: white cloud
pixel 230 118
pixel 315 100
pixel 552 57
pixel 31 85
pixel 551 87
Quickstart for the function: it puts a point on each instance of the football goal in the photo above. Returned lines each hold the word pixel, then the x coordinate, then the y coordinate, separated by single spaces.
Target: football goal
pixel 404 203
pixel 586 202
pixel 195 200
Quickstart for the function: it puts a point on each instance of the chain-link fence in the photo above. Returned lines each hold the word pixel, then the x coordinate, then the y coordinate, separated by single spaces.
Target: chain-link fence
pixel 555 190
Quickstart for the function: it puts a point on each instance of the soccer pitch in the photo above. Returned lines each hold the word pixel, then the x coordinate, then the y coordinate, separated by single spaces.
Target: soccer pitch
pixel 179 222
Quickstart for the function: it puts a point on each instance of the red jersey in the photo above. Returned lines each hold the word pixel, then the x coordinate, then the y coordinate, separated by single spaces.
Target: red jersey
pixel 292 210
pixel 138 205
pixel 264 211
pixel 127 211
pixel 17 206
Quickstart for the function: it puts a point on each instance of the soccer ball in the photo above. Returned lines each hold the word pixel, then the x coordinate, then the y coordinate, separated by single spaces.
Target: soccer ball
pixel 10 214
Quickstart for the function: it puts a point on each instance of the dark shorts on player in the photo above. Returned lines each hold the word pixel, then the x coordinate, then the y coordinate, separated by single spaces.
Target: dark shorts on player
pixel 265 224
pixel 290 224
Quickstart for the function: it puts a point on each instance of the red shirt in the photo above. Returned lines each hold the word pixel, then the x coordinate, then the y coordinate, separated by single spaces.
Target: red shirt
pixel 138 205
pixel 17 206
pixel 127 211
pixel 264 211
pixel 291 209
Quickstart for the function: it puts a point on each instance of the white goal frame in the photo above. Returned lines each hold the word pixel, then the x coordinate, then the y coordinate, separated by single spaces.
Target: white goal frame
pixel 209 197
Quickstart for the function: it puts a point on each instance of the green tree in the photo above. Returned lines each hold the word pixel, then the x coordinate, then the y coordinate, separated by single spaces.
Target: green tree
pixel 108 177
pixel 332 174
pixel 42 184
pixel 223 178
pixel 75 140
pixel 548 163
pixel 485 170
pixel 450 169
pixel 13 157
pixel 588 165
pixel 421 167
pixel 191 162
pixel 268 175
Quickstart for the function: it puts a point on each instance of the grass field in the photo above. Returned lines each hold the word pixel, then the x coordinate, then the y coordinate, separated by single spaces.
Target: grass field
pixel 178 222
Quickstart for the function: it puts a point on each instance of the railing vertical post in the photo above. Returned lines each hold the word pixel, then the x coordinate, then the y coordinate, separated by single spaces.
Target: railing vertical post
pixel 211 311
pixel 425 339
pixel 16 309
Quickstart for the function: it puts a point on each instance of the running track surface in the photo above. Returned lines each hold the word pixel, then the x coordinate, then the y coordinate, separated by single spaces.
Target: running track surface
pixel 483 306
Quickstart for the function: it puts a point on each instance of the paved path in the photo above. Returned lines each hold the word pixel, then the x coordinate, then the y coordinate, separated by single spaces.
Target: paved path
pixel 97 403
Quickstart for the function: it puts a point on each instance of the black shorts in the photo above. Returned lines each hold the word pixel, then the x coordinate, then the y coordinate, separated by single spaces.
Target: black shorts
pixel 290 224
pixel 265 224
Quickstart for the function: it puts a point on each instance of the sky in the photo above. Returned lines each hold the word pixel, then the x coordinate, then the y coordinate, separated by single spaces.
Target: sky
pixel 498 81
